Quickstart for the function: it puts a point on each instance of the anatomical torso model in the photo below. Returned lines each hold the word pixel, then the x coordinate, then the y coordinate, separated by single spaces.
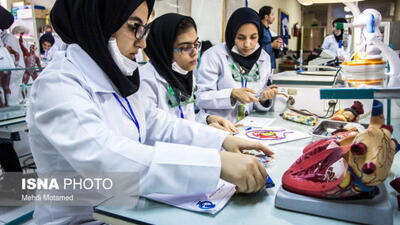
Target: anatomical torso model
pixel 31 60
pixel 5 77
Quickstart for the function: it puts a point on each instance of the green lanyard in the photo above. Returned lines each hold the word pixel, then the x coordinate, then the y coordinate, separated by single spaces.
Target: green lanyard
pixel 240 75
pixel 174 100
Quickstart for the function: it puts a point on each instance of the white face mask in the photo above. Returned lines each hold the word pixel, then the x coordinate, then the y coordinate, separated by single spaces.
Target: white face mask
pixel 126 65
pixel 175 67
pixel 236 50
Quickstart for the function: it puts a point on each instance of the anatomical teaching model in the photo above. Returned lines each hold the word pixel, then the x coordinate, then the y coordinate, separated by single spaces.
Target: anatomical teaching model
pixel 349 164
pixel 349 114
pixel 31 60
pixel 5 76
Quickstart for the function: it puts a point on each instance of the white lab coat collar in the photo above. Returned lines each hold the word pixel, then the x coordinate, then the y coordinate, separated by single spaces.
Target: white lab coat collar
pixel 263 56
pixel 162 79
pixel 157 75
pixel 94 75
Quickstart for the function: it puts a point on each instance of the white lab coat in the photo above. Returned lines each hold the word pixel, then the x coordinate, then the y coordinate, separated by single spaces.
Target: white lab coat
pixel 332 45
pixel 215 83
pixel 154 88
pixel 77 125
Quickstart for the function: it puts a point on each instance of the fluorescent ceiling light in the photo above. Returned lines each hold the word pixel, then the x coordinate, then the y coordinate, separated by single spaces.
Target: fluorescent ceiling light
pixel 308 2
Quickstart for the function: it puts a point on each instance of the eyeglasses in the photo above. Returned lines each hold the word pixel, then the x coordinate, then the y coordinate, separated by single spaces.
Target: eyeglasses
pixel 189 50
pixel 141 31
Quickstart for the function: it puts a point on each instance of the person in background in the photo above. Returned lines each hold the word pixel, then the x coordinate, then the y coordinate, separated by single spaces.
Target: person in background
pixel 233 77
pixel 173 47
pixel 86 113
pixel 47 51
pixel 11 80
pixel 9 161
pixel 334 42
pixel 269 39
pixel 59 45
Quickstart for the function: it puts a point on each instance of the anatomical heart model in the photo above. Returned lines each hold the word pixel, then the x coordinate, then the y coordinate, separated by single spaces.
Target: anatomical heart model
pixel 349 164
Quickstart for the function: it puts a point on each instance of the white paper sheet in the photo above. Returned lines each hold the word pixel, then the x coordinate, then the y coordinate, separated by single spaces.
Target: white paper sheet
pixel 205 203
pixel 256 121
pixel 272 135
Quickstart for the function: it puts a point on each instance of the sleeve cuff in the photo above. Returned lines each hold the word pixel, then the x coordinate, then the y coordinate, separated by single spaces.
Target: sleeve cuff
pixel 264 107
pixel 225 100
pixel 182 169
pixel 201 117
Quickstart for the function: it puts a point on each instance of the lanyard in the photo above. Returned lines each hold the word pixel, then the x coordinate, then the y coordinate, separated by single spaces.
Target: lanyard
pixel 244 82
pixel 180 109
pixel 172 93
pixel 131 115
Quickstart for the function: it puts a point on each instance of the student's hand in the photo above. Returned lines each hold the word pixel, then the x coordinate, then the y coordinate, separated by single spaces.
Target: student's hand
pixel 236 144
pixel 269 93
pixel 244 171
pixel 221 123
pixel 244 95
pixel 277 43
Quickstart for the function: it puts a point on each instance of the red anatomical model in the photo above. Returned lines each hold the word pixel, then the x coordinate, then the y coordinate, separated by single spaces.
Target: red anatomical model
pixel 31 60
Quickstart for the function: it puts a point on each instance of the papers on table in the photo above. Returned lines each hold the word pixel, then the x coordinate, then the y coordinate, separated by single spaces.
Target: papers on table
pixel 205 203
pixel 271 135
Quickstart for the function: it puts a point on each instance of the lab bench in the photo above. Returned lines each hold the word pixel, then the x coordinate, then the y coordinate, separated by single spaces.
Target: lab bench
pixel 252 209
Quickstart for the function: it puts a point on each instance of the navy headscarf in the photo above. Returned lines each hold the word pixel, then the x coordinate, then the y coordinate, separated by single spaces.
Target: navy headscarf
pixel 240 17
pixel 90 24
pixel 159 49
pixel 6 18
pixel 339 20
pixel 46 37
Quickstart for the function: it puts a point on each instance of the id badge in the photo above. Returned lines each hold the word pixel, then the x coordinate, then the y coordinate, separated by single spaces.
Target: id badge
pixel 243 111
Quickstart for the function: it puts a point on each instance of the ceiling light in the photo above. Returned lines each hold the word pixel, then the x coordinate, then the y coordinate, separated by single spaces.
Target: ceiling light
pixel 305 2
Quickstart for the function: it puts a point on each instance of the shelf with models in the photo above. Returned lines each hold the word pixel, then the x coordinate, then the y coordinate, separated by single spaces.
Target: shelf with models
pixel 360 93
pixel 363 93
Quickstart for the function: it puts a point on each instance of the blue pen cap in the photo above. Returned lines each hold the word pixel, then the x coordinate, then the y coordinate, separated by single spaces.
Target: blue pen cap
pixel 377 108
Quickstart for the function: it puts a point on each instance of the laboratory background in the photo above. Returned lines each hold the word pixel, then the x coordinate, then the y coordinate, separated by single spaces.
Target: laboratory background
pixel 199 112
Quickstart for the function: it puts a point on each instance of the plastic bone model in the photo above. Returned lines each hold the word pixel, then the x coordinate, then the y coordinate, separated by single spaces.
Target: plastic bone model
pixel 350 164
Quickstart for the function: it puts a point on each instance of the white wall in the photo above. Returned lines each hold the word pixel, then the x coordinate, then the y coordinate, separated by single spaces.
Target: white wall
pixel 208 17
pixel 162 7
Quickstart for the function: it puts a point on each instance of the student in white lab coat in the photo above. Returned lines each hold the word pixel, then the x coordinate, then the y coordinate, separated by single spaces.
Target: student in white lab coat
pixel 233 78
pixel 47 48
pixel 334 42
pixel 85 115
pixel 172 47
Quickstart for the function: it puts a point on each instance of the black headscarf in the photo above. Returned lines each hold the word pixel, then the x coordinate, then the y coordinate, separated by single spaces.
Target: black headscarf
pixel 6 18
pixel 159 49
pixel 46 37
pixel 90 24
pixel 240 17
pixel 339 20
